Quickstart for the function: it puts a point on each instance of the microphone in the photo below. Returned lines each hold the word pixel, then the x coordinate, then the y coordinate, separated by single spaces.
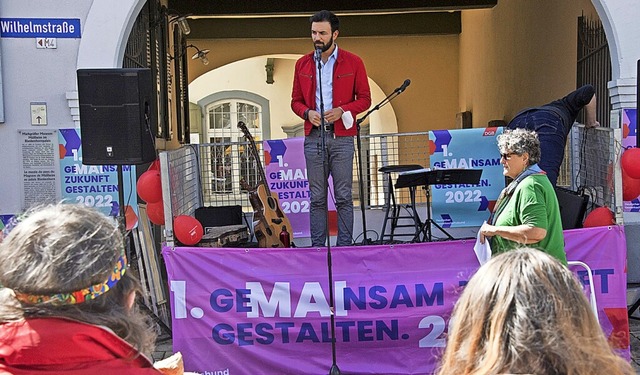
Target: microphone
pixel 406 83
pixel 318 53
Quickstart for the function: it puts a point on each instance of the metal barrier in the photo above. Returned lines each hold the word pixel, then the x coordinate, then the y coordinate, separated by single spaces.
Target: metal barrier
pixel 592 167
pixel 224 164
pixel 181 187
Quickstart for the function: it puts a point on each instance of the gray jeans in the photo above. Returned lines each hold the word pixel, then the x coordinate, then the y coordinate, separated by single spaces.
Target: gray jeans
pixel 339 157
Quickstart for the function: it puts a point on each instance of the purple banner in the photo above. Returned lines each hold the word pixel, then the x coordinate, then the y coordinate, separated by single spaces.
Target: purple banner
pixel 286 171
pixel 249 311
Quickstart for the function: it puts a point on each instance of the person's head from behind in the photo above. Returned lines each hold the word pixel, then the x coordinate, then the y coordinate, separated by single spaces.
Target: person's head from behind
pixel 68 261
pixel 524 312
pixel 519 149
pixel 324 29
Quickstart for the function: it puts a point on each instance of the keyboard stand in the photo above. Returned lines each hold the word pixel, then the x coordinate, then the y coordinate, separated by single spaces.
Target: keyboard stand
pixel 425 178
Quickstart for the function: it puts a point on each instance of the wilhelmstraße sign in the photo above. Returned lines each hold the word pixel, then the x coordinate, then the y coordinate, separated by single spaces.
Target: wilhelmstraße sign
pixel 40 27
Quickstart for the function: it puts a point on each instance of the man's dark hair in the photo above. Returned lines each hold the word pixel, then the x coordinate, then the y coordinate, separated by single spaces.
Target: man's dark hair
pixel 326 16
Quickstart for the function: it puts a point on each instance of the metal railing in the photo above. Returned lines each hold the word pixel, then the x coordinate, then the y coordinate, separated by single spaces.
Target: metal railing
pixel 593 166
pixel 223 165
pixel 181 186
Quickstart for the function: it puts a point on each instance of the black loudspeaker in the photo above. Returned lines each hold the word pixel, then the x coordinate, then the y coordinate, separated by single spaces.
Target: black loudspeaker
pixel 572 207
pixel 117 113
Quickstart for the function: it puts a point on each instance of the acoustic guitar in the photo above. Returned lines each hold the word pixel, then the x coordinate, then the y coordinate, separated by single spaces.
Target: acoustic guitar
pixel 267 211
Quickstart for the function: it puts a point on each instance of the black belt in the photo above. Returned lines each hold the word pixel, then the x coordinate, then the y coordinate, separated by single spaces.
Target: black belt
pixel 328 127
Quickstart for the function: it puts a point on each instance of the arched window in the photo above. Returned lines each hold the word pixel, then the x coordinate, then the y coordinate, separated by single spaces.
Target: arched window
pixel 230 162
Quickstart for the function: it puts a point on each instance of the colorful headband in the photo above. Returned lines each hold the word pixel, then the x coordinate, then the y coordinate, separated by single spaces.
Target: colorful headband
pixel 81 295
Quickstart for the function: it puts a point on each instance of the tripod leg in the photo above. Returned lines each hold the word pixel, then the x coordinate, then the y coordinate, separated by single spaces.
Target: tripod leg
pixel 427 232
pixel 441 229
pixel 417 223
pixel 387 202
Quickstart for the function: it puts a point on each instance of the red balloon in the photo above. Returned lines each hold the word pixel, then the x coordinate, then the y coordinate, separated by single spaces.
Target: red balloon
pixel 130 218
pixel 187 229
pixel 155 212
pixel 630 187
pixel 630 162
pixel 155 166
pixel 600 217
pixel 150 186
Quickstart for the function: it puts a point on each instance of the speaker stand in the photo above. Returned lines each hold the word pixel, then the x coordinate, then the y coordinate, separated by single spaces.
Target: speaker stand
pixel 121 220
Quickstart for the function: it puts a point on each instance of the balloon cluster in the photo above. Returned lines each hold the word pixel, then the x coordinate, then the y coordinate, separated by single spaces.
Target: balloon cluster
pixel 187 229
pixel 149 188
pixel 630 163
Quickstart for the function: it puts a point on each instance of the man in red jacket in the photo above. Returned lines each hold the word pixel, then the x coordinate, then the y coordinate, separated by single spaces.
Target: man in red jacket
pixel 341 89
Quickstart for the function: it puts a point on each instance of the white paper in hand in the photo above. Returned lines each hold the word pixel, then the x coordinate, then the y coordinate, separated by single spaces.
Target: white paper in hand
pixel 482 250
pixel 347 119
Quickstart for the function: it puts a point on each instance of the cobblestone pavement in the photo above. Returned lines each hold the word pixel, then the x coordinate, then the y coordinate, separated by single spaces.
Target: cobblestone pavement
pixel 634 330
pixel 164 347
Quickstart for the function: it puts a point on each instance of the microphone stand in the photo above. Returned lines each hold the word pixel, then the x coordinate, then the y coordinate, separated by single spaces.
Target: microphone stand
pixel 396 92
pixel 334 366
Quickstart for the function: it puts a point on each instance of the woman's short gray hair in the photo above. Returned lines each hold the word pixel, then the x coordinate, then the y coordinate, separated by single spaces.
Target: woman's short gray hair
pixel 520 141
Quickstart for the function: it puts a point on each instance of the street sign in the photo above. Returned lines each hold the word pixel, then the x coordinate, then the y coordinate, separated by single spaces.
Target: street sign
pixel 46 43
pixel 39 27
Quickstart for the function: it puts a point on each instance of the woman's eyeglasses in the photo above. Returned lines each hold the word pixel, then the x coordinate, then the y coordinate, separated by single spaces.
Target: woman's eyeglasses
pixel 507 156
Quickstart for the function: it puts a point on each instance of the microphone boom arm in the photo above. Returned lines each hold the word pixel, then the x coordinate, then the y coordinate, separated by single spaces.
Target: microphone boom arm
pixel 386 100
pixel 396 92
pixel 382 103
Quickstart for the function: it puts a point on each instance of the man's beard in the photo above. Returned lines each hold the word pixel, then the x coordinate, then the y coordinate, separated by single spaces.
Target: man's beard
pixel 325 47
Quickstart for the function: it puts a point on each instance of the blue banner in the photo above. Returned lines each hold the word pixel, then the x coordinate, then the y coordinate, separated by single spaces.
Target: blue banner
pixel 95 185
pixel 463 205
pixel 39 27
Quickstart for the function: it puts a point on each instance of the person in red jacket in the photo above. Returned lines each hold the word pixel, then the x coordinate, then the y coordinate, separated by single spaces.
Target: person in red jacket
pixel 67 298
pixel 340 79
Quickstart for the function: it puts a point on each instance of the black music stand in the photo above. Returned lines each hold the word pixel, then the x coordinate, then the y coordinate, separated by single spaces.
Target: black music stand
pixel 426 177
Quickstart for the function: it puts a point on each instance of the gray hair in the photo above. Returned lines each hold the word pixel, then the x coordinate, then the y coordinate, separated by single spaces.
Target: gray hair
pixel 65 248
pixel 523 312
pixel 520 141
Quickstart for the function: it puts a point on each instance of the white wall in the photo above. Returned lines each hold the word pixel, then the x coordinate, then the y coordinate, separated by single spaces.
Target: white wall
pixel 49 75
pixel 34 75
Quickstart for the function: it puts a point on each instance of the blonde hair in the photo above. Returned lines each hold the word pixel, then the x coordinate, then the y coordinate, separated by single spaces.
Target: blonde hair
pixel 524 312
pixel 64 248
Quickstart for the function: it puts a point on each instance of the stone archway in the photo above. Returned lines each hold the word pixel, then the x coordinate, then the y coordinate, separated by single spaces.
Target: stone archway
pixel 620 21
pixel 105 33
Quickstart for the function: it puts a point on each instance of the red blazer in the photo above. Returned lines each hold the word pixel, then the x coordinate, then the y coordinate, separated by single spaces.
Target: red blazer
pixel 351 89
pixel 52 346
